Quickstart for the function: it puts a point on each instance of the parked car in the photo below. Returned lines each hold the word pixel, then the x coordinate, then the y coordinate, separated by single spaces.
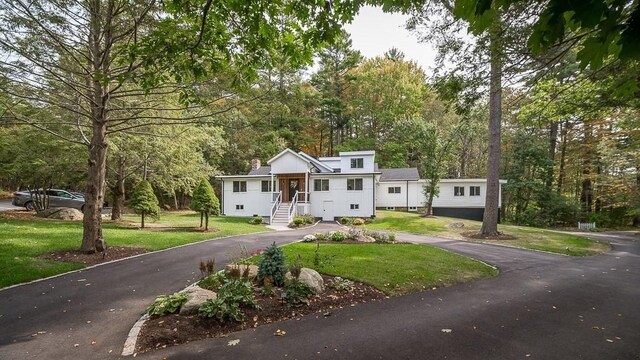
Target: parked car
pixel 57 198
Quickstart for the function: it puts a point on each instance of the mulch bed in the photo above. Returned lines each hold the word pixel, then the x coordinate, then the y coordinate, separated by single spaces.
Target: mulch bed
pixel 168 330
pixel 478 236
pixel 112 253
pixel 19 215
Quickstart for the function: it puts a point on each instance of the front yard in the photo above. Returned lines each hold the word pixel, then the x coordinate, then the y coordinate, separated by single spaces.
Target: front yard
pixel 524 237
pixel 23 241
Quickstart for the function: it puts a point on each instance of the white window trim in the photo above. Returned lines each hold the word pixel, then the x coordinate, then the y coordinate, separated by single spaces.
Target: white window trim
pixel 457 194
pixel 477 193
pixel 239 207
pixel 354 184
pixel 239 186
pixel 321 180
pixel 351 163
pixel 357 208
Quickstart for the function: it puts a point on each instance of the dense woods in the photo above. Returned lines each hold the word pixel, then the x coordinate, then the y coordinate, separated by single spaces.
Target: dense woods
pixel 568 114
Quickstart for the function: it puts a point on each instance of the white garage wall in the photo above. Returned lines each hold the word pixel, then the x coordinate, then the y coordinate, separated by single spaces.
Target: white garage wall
pixel 254 200
pixel 343 198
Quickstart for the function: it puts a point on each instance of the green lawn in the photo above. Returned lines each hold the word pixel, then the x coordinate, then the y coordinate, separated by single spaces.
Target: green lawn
pixel 22 241
pixel 526 237
pixel 393 268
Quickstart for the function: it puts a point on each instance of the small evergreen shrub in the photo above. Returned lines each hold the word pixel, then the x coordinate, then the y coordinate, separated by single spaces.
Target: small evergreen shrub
pixel 167 304
pixel 296 293
pixel 345 221
pixel 338 236
pixel 271 266
pixel 256 220
pixel 358 221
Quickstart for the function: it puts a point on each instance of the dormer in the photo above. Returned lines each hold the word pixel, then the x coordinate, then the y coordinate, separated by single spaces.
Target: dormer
pixel 357 161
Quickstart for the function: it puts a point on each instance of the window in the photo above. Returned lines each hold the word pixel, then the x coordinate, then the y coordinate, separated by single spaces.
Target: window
pixel 239 207
pixel 357 163
pixel 458 191
pixel 239 186
pixel 413 208
pixel 320 184
pixel 390 208
pixel 266 185
pixel 354 184
pixel 474 190
pixel 394 190
pixel 355 206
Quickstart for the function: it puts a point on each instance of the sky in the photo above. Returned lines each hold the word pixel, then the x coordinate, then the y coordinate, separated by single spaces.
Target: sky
pixel 373 32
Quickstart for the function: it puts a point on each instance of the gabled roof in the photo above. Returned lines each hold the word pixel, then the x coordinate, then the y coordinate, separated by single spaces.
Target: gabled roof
pixel 315 162
pixel 410 174
pixel 262 170
pixel 287 150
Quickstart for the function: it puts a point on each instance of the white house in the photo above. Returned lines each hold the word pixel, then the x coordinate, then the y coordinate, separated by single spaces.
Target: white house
pixel 349 185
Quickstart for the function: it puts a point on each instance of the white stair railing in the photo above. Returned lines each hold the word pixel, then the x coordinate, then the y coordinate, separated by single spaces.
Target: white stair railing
pixel 293 207
pixel 275 206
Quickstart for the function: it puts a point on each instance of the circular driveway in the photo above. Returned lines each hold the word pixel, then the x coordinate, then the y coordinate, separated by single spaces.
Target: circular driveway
pixel 540 306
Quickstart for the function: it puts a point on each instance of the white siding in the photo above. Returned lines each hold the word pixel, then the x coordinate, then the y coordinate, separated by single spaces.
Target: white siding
pixel 254 200
pixel 343 198
pixel 288 163
pixel 345 163
pixel 446 197
pixel 413 189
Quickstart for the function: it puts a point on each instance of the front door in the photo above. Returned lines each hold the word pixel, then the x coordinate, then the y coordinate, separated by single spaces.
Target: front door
pixel 294 186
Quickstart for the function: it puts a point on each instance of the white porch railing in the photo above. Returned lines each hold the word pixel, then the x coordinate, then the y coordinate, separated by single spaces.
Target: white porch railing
pixel 586 226
pixel 276 204
pixel 293 207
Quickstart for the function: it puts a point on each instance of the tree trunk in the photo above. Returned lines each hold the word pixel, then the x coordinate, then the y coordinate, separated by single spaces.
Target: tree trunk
pixel 100 27
pixel 175 201
pixel 636 219
pixel 490 219
pixel 142 221
pixel 206 221
pixel 118 191
pixel 563 152
pixel 553 140
pixel 201 218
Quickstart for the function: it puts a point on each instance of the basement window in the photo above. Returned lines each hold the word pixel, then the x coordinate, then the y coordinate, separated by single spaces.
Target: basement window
pixel 355 206
pixel 413 208
pixel 239 207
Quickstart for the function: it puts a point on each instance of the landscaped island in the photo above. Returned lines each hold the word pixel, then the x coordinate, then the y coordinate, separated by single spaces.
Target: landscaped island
pixel 316 277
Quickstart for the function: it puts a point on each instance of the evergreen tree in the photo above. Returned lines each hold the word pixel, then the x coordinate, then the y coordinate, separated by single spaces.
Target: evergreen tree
pixel 144 201
pixel 204 201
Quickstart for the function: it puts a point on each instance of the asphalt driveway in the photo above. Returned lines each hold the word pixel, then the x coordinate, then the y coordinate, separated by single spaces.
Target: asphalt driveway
pixel 541 306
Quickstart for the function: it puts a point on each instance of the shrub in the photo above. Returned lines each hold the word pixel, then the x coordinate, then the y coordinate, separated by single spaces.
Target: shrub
pixel 358 222
pixel 214 281
pixel 340 284
pixel 144 201
pixel 256 220
pixel 309 218
pixel 167 304
pixel 353 234
pixel 206 268
pixel 309 238
pixel 296 293
pixel 338 236
pixel 271 265
pixel 321 236
pixel 345 221
pixel 233 295
pixel 298 220
pixel 205 202
pixel 382 237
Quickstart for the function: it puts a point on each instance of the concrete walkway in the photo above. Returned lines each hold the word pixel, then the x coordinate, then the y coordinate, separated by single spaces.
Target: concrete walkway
pixel 541 306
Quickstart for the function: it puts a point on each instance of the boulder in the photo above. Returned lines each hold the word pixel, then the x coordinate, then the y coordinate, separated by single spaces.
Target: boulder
pixel 195 297
pixel 366 239
pixel 456 225
pixel 253 269
pixel 311 278
pixel 61 213
pixel 309 238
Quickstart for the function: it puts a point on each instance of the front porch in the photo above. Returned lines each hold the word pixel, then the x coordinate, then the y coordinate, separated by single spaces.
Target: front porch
pixel 289 198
